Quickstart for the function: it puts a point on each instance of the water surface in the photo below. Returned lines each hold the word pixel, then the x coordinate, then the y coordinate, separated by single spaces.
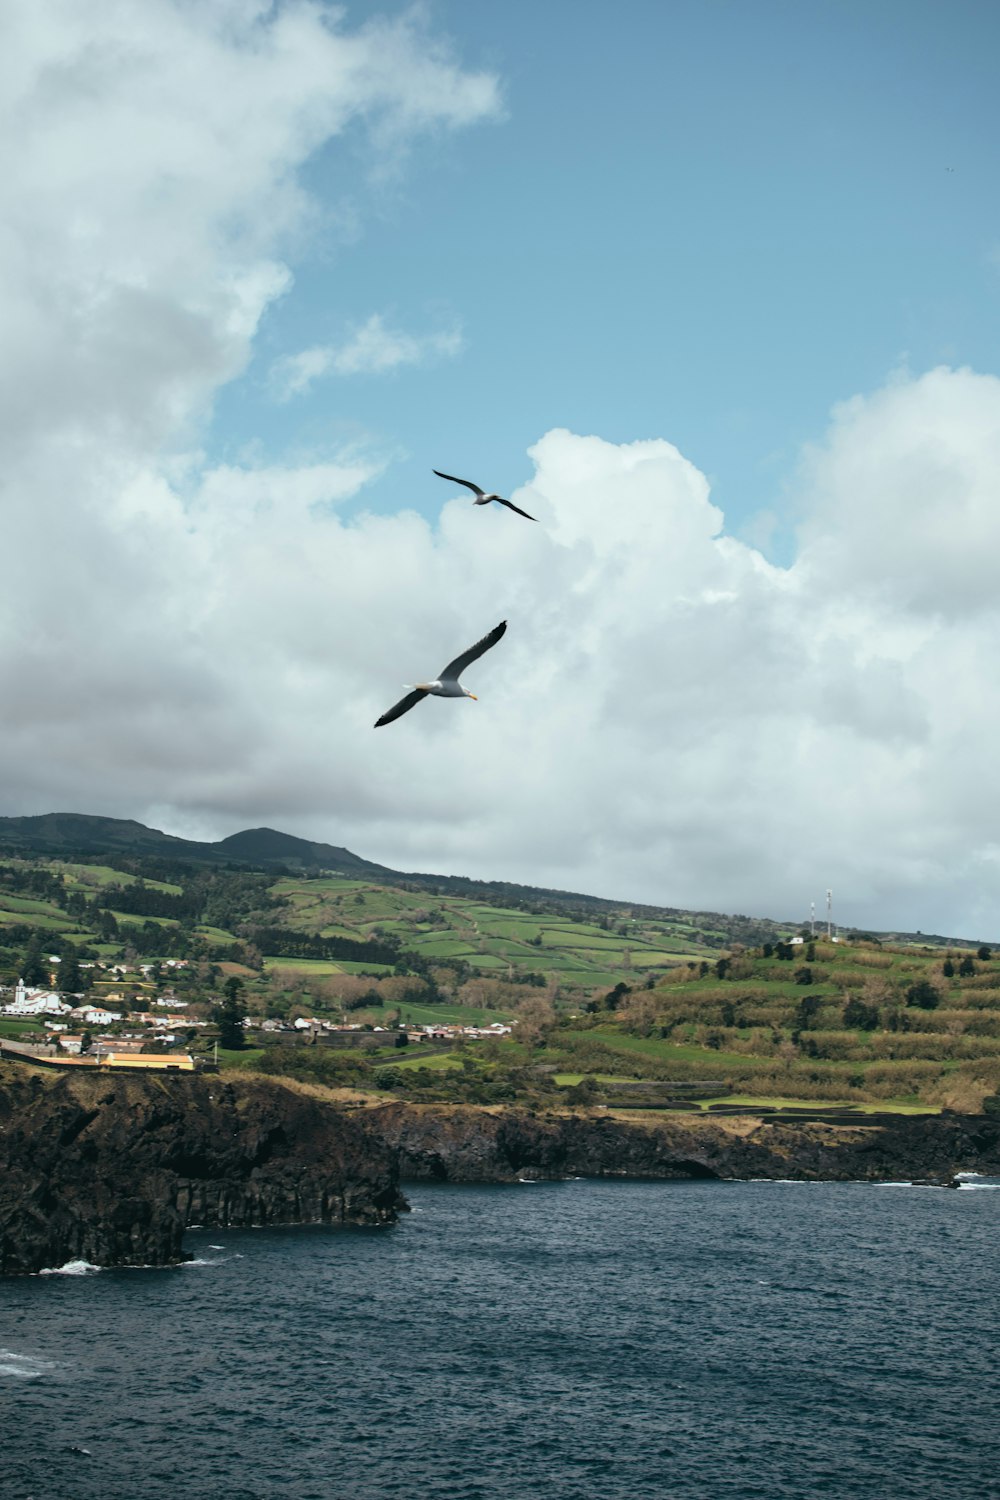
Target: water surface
pixel 572 1340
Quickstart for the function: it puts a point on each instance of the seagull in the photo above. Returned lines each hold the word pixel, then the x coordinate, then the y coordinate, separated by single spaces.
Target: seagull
pixel 447 685
pixel 482 497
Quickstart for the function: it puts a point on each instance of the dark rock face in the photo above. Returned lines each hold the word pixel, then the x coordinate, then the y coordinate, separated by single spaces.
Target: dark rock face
pixel 112 1171
pixel 470 1145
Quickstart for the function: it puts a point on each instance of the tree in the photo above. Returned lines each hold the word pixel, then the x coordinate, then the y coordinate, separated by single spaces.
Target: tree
pixel 984 954
pixel 228 1015
pixel 614 997
pixel 923 994
pixel 69 980
pixel 967 967
pixel 35 970
pixel 807 1011
pixel 948 968
pixel 585 1092
pixel 803 976
pixel 860 1017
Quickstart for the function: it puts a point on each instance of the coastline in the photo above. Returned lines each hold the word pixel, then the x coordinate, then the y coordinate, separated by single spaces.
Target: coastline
pixel 111 1172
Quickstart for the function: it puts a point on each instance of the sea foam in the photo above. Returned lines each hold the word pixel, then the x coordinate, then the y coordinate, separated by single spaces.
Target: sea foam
pixel 71 1268
pixel 22 1366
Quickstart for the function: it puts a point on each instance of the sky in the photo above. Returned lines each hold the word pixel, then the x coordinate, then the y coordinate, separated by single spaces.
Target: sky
pixel 712 289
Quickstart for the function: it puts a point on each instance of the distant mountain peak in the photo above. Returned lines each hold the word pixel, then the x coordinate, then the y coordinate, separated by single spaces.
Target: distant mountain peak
pixel 61 835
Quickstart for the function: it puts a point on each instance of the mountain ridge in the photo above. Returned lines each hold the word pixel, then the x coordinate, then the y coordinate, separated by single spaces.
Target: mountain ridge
pixel 90 833
pixel 62 835
pixel 65 835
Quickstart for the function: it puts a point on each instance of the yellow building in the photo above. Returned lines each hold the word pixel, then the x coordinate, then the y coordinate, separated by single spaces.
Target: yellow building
pixel 161 1061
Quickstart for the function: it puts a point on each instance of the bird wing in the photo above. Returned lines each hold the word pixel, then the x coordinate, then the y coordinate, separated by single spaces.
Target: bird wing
pixel 402 707
pixel 467 482
pixel 511 506
pixel 454 669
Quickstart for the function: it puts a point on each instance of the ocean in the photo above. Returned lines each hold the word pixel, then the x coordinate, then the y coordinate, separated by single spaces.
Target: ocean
pixel 585 1340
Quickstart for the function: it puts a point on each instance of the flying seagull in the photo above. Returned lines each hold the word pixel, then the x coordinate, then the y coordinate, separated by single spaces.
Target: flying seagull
pixel 447 685
pixel 483 498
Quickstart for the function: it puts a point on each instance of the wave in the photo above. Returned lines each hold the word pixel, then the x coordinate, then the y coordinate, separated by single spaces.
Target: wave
pixel 216 1260
pixel 23 1366
pixel 71 1268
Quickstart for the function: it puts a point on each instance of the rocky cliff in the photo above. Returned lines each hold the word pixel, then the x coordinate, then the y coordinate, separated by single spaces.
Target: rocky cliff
pixel 455 1144
pixel 112 1170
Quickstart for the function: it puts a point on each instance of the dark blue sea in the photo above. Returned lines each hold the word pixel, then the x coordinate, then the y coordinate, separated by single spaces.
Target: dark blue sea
pixel 574 1341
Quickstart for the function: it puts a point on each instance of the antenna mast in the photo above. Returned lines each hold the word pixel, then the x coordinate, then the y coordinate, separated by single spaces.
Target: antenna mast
pixel 829 918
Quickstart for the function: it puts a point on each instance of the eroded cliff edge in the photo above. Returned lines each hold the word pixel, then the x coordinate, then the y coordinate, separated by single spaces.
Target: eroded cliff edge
pixel 113 1170
pixel 438 1143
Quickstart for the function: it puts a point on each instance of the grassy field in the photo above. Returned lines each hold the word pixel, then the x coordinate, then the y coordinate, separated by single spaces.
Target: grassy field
pixel 491 939
pixel 858 1024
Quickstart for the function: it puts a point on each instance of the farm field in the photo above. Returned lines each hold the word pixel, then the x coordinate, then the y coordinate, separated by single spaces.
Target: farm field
pixel 595 991
pixel 500 941
pixel 858 1024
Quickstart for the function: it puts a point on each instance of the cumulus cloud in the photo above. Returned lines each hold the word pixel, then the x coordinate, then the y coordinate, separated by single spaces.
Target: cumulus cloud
pixel 372 349
pixel 670 716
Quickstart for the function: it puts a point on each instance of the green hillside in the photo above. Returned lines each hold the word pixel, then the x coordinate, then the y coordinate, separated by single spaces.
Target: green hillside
pixel 501 941
pixel 611 1004
pixel 858 1021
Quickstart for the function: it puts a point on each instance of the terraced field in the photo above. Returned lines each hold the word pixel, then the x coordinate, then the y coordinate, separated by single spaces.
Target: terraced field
pixel 498 941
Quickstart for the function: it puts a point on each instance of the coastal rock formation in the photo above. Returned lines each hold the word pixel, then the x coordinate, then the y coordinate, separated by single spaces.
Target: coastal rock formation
pixel 112 1171
pixel 437 1143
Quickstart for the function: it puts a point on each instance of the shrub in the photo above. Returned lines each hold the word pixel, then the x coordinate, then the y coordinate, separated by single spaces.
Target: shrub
pixel 923 994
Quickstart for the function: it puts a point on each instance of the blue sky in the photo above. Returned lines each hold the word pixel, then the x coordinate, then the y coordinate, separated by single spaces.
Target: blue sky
pixel 708 222
pixel 710 289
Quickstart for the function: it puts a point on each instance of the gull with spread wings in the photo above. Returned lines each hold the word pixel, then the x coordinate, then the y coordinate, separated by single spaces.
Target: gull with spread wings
pixel 482 497
pixel 447 685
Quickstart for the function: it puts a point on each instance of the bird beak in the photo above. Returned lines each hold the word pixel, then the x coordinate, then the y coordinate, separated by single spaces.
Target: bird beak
pixel 473 696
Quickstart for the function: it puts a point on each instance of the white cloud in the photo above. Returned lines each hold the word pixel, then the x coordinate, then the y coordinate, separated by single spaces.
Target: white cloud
pixel 372 349
pixel 669 717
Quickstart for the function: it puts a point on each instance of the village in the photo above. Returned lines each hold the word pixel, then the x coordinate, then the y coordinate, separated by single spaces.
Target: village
pixel 110 1032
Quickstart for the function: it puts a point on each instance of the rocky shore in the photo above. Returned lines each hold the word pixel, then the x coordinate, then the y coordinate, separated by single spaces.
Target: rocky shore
pixel 113 1170
pixel 438 1143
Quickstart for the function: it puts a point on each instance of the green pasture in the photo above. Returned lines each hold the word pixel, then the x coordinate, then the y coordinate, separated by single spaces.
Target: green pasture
pixel 869 1107
pixel 449 1015
pixel 130 919
pixel 664 1051
pixel 32 905
pixel 325 966
pixel 319 966
pixel 484 936
pixel 50 923
pixel 437 1060
pixel 15 1029
pixel 87 877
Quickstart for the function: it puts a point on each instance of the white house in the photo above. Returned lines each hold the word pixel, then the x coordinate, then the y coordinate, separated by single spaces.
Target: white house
pixel 95 1015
